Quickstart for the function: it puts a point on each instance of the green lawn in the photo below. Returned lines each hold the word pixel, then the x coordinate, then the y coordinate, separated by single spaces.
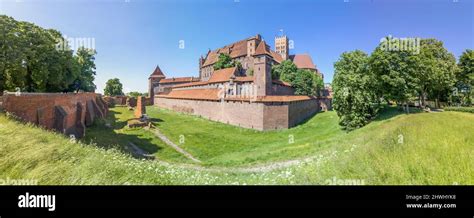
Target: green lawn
pixel 420 148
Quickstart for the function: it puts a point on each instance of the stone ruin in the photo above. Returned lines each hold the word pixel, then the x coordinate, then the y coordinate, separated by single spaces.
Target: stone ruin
pixel 68 113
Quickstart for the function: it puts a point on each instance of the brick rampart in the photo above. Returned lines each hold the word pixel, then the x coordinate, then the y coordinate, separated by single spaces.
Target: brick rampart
pixel 68 113
pixel 255 115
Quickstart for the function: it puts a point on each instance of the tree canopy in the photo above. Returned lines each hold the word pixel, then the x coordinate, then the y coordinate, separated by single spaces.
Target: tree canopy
pixel 465 77
pixel 362 82
pixel 113 87
pixel 225 61
pixel 30 60
pixel 305 82
pixel 354 100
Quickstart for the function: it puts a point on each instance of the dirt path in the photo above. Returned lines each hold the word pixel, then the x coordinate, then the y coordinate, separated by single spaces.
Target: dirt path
pixel 262 168
pixel 165 139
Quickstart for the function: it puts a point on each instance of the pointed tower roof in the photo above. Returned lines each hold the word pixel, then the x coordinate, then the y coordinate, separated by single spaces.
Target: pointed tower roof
pixel 262 48
pixel 157 73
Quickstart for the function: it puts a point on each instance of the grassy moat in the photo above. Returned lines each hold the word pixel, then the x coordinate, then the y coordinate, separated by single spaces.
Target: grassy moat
pixel 395 148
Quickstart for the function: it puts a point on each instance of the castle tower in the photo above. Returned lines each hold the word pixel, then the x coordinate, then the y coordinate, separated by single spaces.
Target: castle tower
pixel 262 69
pixel 153 81
pixel 281 46
pixel 252 44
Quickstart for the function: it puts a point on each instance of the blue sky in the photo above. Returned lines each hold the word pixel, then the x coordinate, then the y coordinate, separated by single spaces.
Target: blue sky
pixel 132 37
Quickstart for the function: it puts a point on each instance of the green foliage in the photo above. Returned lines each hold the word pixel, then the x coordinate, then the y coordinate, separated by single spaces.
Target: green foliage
pixel 305 82
pixel 395 72
pixel 285 71
pixel 354 98
pixel 250 72
pixel 113 87
pixel 465 78
pixel 136 94
pixel 400 76
pixel 460 109
pixel 225 61
pixel 85 59
pixel 31 61
pixel 435 71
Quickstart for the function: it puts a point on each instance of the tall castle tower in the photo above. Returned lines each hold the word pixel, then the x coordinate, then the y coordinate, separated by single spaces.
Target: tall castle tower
pixel 281 46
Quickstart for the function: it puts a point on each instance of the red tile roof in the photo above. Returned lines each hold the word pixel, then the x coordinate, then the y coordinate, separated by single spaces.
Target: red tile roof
pixel 223 75
pixel 199 83
pixel 179 80
pixel 213 94
pixel 303 61
pixel 157 73
pixel 244 79
pixel 194 94
pixel 237 49
pixel 263 48
pixel 234 50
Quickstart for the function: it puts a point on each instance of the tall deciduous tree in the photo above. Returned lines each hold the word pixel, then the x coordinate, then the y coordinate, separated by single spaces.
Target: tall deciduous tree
pixel 31 61
pixel 435 70
pixel 113 87
pixel 396 73
pixel 85 59
pixel 355 99
pixel 465 77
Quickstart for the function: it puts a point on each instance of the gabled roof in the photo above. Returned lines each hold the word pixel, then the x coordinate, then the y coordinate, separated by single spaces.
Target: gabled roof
pixel 303 61
pixel 263 48
pixel 157 73
pixel 223 75
pixel 236 49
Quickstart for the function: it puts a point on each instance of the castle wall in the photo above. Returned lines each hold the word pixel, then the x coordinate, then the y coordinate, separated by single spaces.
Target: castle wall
pixel 66 113
pixel 282 90
pixel 302 110
pixel 254 115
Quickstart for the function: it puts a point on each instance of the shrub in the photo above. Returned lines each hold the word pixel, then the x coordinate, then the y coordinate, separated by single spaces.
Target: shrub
pixel 460 109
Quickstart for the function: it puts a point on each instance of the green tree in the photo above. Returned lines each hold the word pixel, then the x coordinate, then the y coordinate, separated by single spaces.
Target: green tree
pixel 85 59
pixel 355 99
pixel 225 61
pixel 465 77
pixel 305 82
pixel 31 61
pixel 396 73
pixel 435 71
pixel 136 94
pixel 113 87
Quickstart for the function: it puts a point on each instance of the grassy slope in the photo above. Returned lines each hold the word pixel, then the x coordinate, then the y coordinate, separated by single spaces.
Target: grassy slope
pixel 436 149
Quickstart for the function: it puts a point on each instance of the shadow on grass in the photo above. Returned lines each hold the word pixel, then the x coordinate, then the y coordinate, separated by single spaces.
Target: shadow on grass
pixel 388 112
pixel 106 134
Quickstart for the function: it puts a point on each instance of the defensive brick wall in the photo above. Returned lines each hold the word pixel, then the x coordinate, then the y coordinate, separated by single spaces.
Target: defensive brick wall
pixel 68 113
pixel 254 115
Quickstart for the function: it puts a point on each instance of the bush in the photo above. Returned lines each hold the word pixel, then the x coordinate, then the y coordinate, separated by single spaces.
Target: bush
pixel 460 109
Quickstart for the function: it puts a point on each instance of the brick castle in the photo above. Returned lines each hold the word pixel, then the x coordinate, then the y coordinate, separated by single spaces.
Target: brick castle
pixel 245 96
